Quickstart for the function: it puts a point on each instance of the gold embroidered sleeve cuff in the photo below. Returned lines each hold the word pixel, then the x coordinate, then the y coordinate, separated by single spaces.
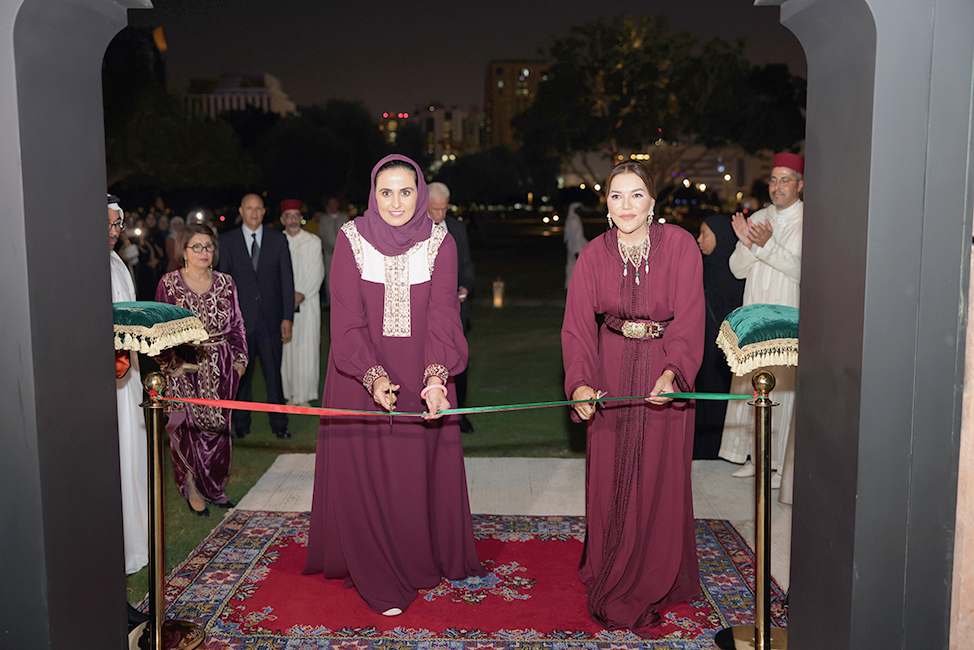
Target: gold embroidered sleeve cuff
pixel 371 375
pixel 436 370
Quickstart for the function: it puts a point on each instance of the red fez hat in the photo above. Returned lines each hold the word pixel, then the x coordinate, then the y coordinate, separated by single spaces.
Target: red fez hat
pixel 290 204
pixel 789 160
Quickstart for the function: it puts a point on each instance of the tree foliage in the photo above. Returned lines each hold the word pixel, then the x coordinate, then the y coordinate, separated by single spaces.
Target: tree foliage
pixel 322 150
pixel 493 176
pixel 151 140
pixel 163 146
pixel 632 84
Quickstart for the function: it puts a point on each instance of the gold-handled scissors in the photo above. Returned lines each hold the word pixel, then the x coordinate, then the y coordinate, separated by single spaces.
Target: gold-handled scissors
pixel 392 403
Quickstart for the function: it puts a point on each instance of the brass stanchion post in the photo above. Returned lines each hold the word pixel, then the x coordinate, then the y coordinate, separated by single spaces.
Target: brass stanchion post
pixel 761 635
pixel 164 635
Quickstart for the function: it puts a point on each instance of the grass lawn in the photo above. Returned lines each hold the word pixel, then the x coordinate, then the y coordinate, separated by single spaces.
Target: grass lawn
pixel 515 357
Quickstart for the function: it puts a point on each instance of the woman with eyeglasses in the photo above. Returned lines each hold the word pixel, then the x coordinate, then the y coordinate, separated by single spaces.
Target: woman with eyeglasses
pixel 200 435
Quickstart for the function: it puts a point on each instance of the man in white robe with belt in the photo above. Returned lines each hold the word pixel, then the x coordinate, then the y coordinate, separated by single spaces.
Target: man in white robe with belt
pixel 300 364
pixel 768 256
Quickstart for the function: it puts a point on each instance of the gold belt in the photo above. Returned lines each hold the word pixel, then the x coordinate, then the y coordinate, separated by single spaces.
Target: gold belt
pixel 636 329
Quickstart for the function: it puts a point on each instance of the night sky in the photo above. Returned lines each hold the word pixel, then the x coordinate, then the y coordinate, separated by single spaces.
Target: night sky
pixel 427 51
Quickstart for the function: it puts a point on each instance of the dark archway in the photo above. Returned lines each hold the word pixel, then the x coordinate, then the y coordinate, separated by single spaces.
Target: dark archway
pixel 883 318
pixel 59 451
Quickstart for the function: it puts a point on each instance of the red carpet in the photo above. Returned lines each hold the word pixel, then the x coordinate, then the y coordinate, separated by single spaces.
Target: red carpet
pixel 244 585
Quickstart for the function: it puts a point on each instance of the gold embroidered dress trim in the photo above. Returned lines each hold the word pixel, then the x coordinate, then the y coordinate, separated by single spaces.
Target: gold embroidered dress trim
pixel 355 240
pixel 436 370
pixel 396 320
pixel 371 375
pixel 436 238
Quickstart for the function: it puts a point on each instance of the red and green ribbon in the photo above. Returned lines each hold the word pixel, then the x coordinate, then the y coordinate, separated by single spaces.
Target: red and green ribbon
pixel 325 412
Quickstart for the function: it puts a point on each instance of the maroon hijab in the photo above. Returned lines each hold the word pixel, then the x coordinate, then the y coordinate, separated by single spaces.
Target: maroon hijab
pixel 395 240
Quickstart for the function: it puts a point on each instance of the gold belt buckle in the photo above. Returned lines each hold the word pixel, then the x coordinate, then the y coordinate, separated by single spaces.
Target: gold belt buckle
pixel 634 330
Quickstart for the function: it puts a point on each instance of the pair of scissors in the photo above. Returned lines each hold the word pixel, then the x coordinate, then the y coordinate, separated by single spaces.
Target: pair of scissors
pixel 392 404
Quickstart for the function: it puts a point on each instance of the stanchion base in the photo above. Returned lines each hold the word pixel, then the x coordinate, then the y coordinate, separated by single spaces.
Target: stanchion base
pixel 176 635
pixel 741 637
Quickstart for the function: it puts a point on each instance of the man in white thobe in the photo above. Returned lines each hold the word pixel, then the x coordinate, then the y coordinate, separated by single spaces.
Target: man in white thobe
pixel 300 364
pixel 574 238
pixel 768 257
pixel 132 442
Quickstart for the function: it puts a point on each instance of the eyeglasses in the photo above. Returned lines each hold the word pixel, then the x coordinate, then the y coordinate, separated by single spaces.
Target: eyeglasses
pixel 199 248
pixel 117 225
pixel 782 181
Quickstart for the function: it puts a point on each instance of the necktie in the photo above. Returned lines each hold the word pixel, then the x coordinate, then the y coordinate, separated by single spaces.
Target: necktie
pixel 254 251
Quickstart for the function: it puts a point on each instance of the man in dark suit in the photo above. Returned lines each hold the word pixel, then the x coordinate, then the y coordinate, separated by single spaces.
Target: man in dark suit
pixel 439 201
pixel 260 263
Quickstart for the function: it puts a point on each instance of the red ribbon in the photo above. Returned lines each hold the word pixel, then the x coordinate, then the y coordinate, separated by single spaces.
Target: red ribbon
pixel 274 408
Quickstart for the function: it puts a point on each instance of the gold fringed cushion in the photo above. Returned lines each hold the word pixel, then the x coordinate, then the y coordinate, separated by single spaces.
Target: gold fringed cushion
pixel 151 327
pixel 758 336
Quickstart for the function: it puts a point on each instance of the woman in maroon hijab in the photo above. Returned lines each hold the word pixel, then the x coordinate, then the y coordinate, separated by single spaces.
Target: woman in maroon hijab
pixel 390 512
pixel 644 277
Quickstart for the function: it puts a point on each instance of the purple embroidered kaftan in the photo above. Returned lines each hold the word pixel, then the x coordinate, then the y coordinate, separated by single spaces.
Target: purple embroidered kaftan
pixel 390 512
pixel 200 435
pixel 640 555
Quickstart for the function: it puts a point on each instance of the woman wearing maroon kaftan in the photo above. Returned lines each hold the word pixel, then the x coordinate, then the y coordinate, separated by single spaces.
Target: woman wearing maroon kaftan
pixel 199 436
pixel 645 278
pixel 390 513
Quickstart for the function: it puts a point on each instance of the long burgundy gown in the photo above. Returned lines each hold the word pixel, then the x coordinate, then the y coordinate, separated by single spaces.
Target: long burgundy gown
pixel 390 513
pixel 199 436
pixel 640 553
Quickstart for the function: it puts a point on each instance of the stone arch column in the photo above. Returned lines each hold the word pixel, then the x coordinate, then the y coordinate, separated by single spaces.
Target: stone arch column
pixel 61 533
pixel 886 249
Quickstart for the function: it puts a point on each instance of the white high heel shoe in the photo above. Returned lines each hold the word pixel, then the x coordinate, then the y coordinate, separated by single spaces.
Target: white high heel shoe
pixel 394 611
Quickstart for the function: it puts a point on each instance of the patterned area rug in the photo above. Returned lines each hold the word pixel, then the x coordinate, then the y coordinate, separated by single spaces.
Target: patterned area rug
pixel 244 585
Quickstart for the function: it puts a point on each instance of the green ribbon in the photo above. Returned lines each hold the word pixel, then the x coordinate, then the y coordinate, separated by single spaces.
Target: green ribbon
pixel 539 405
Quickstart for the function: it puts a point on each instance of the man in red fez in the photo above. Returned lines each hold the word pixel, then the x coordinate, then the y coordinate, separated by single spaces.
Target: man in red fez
pixel 300 364
pixel 768 255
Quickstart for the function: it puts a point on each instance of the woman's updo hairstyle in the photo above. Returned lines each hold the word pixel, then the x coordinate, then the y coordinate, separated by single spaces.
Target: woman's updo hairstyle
pixel 631 167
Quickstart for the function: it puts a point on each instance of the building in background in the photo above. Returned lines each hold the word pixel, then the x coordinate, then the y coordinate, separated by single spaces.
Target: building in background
pixel 238 91
pixel 390 123
pixel 450 132
pixel 728 172
pixel 511 86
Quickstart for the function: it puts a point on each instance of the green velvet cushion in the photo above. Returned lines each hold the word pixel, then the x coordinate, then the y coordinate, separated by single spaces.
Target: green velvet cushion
pixel 151 327
pixel 758 336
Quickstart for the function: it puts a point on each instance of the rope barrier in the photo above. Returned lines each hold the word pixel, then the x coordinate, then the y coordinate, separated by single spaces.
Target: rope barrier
pixel 311 410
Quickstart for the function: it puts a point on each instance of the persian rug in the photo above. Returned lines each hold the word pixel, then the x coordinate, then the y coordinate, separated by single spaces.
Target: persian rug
pixel 244 585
